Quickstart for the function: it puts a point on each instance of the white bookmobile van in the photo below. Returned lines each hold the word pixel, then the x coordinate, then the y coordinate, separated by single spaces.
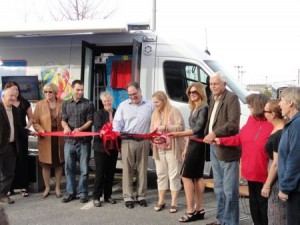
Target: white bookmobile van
pixel 102 55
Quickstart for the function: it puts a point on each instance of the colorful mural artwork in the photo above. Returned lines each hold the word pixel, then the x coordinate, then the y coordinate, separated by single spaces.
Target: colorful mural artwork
pixel 50 72
pixel 60 76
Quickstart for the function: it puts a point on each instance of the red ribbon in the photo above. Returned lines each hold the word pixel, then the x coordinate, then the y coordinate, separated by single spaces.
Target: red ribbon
pixel 62 134
pixel 197 139
pixel 107 134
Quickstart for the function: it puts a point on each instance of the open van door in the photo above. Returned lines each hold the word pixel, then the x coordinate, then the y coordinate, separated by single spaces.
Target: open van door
pixel 136 60
pixel 87 68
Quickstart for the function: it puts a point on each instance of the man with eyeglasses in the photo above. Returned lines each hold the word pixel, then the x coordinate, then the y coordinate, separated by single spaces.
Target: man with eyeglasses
pixel 133 116
pixel 77 116
pixel 223 120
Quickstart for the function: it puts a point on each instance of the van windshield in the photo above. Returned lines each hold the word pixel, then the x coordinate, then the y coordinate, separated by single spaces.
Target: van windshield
pixel 232 83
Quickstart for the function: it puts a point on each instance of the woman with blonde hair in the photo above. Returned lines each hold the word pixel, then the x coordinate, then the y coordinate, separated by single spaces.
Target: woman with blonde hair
pixel 194 154
pixel 167 156
pixel 47 118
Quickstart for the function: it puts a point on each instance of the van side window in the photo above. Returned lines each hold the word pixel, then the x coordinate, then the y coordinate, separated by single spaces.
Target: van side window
pixel 179 75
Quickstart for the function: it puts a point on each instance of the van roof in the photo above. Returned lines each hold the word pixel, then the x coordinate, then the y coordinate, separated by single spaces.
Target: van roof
pixel 58 28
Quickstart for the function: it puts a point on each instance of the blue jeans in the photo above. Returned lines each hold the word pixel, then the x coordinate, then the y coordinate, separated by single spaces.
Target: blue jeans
pixel 80 151
pixel 226 188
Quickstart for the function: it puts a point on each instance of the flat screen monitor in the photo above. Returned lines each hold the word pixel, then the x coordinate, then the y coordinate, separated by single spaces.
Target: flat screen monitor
pixel 29 85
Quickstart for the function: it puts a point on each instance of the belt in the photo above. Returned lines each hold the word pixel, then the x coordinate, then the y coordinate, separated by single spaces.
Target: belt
pixel 133 139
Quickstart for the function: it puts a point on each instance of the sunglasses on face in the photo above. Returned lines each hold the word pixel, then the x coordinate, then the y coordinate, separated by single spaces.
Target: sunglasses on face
pixel 193 92
pixel 50 92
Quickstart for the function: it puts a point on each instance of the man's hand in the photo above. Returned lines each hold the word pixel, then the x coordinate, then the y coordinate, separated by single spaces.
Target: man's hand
pixel 67 130
pixel 209 138
pixel 33 133
pixel 76 130
pixel 283 196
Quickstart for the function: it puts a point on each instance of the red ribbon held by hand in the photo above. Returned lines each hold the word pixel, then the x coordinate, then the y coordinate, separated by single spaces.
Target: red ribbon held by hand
pixel 107 134
pixel 154 136
pixel 197 139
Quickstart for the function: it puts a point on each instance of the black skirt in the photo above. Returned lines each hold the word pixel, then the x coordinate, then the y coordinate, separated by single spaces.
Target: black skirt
pixel 193 164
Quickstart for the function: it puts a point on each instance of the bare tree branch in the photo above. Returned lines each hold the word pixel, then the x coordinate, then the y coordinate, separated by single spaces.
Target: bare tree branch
pixel 79 10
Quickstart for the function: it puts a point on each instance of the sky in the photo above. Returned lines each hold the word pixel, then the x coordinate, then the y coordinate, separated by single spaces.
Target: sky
pixel 262 37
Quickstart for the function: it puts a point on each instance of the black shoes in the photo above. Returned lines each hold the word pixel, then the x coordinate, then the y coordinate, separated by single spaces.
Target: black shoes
pixel 68 198
pixel 110 200
pixel 6 200
pixel 83 199
pixel 143 203
pixel 97 202
pixel 129 204
pixel 200 214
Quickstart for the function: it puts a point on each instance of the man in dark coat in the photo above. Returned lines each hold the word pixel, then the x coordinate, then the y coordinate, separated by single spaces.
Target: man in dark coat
pixel 10 128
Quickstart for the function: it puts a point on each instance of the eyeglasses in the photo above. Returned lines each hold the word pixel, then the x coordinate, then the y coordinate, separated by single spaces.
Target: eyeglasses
pixel 265 111
pixel 50 92
pixel 193 92
pixel 133 94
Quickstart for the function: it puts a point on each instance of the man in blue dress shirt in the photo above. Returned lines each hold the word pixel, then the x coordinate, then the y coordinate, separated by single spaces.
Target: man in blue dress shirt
pixel 133 116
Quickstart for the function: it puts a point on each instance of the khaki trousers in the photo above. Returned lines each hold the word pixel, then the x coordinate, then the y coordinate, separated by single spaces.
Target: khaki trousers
pixel 168 171
pixel 134 158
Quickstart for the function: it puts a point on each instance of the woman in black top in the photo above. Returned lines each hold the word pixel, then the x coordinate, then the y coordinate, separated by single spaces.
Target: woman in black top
pixel 21 179
pixel 194 154
pixel 276 207
pixel 105 156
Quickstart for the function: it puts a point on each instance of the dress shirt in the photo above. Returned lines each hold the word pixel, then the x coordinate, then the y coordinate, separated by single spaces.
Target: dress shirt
pixel 132 118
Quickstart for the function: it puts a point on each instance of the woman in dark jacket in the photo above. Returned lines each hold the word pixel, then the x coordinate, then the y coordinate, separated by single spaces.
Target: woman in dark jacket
pixel 105 156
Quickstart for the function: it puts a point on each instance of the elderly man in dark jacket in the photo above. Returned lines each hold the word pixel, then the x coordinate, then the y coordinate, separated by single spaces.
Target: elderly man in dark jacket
pixel 10 129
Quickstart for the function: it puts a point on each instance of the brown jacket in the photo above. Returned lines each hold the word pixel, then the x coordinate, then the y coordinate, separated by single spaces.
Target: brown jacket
pixel 42 122
pixel 226 123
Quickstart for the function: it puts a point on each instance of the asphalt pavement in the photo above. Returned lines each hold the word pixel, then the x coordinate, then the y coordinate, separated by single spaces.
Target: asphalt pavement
pixel 34 210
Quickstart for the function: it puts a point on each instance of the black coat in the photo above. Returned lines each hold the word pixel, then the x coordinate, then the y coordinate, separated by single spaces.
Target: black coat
pixel 101 117
pixel 5 128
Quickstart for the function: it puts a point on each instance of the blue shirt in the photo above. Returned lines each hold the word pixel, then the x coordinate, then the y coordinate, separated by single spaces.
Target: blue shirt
pixel 132 118
pixel 289 157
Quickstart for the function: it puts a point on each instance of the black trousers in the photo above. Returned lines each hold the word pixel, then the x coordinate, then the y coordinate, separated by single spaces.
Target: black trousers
pixel 293 208
pixel 258 204
pixel 105 171
pixel 7 168
pixel 21 179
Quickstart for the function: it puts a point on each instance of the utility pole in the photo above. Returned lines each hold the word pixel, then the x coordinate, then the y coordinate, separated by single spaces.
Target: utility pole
pixel 242 75
pixel 154 15
pixel 298 76
pixel 239 67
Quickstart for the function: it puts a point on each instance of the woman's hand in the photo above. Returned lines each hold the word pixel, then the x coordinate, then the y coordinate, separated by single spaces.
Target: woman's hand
pixel 216 141
pixel 173 134
pixel 161 129
pixel 265 191
pixel 183 154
